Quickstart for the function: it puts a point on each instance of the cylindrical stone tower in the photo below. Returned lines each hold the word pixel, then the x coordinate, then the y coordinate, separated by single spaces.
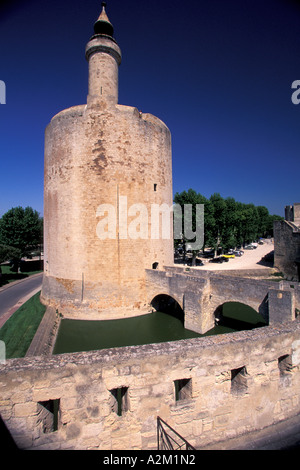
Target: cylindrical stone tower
pixel 107 173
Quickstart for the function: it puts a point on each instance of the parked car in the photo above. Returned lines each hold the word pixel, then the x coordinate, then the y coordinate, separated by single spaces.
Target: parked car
pixel 238 253
pixel 229 255
pixel 198 262
pixel 219 259
pixel 216 260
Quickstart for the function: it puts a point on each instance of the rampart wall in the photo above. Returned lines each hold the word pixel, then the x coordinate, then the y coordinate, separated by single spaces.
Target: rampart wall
pixel 232 384
pixel 287 249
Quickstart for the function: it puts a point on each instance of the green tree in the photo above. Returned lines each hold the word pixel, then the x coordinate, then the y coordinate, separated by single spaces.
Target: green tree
pixel 219 220
pixel 193 198
pixel 8 252
pixel 230 239
pixel 21 228
pixel 227 222
pixel 263 221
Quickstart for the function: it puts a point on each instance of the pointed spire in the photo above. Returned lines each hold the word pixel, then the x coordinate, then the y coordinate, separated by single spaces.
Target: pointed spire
pixel 103 25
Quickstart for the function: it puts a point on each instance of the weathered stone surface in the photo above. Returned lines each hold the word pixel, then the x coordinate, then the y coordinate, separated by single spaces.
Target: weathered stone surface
pixel 87 418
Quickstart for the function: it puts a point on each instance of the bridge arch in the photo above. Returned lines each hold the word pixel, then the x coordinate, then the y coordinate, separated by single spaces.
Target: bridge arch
pixel 168 304
pixel 238 316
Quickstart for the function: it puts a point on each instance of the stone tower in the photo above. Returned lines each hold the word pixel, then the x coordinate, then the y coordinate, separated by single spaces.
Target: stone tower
pixel 107 169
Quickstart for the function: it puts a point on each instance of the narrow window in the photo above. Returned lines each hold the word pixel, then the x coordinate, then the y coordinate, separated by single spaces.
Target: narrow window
pixel 155 186
pixel 285 367
pixel 239 381
pixel 48 415
pixel 183 389
pixel 120 401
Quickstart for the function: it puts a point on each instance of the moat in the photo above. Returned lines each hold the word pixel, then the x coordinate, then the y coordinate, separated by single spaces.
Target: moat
pixel 156 327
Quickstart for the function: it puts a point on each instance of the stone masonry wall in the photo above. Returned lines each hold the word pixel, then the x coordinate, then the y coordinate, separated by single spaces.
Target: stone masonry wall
pixel 200 293
pixel 287 249
pixel 236 383
pixel 96 156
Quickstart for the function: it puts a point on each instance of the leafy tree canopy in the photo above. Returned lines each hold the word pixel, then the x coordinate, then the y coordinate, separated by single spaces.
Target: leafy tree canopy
pixel 8 252
pixel 227 222
pixel 21 228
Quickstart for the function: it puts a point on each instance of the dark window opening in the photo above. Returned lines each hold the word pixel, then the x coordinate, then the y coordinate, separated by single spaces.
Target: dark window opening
pixel 155 265
pixel 239 381
pixel 120 401
pixel 183 389
pixel 285 366
pixel 48 415
pixel 155 187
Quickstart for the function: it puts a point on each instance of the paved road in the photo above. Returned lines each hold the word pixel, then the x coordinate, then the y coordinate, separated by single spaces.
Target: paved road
pixel 12 294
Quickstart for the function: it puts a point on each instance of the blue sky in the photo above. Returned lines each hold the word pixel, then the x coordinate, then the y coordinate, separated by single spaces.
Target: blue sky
pixel 218 73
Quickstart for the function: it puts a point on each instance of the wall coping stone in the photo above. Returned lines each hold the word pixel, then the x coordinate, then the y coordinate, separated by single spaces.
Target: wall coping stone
pixel 125 354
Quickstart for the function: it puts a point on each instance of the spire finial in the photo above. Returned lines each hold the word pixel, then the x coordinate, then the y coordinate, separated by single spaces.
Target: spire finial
pixel 103 25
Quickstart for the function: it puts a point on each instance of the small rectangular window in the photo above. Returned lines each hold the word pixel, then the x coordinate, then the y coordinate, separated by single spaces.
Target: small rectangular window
pixel 285 366
pixel 183 389
pixel 155 186
pixel 239 381
pixel 48 415
pixel 120 400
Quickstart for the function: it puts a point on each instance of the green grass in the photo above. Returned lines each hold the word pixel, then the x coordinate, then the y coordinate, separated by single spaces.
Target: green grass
pixel 10 276
pixel 19 330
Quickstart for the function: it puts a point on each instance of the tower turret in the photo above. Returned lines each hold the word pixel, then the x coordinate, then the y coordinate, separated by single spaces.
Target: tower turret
pixel 104 161
pixel 104 57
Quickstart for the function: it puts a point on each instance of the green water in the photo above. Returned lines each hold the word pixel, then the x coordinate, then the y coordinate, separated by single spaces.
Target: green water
pixel 156 327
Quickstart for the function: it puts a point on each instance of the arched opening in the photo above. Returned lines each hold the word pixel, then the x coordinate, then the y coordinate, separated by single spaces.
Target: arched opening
pixel 237 316
pixel 166 304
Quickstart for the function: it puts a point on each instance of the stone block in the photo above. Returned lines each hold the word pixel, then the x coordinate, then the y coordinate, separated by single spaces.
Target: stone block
pixel 22 410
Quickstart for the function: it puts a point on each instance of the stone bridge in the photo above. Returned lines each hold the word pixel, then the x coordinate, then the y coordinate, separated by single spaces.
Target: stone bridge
pixel 200 294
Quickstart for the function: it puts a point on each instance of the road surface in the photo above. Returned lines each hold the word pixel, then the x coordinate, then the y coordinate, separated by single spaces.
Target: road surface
pixel 13 295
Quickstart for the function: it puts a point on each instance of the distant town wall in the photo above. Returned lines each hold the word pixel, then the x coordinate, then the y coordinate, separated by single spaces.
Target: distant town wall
pixel 287 249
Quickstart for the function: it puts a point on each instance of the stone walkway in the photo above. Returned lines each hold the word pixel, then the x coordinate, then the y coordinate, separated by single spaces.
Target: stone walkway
pixel 41 343
pixel 281 436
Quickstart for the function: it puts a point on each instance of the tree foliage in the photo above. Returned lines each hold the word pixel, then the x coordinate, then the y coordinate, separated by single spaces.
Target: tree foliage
pixel 21 228
pixel 8 252
pixel 227 222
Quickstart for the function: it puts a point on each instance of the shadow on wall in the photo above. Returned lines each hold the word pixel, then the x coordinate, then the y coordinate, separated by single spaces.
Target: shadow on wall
pixel 7 441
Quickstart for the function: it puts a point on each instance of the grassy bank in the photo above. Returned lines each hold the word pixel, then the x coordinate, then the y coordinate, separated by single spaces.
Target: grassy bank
pixel 19 330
